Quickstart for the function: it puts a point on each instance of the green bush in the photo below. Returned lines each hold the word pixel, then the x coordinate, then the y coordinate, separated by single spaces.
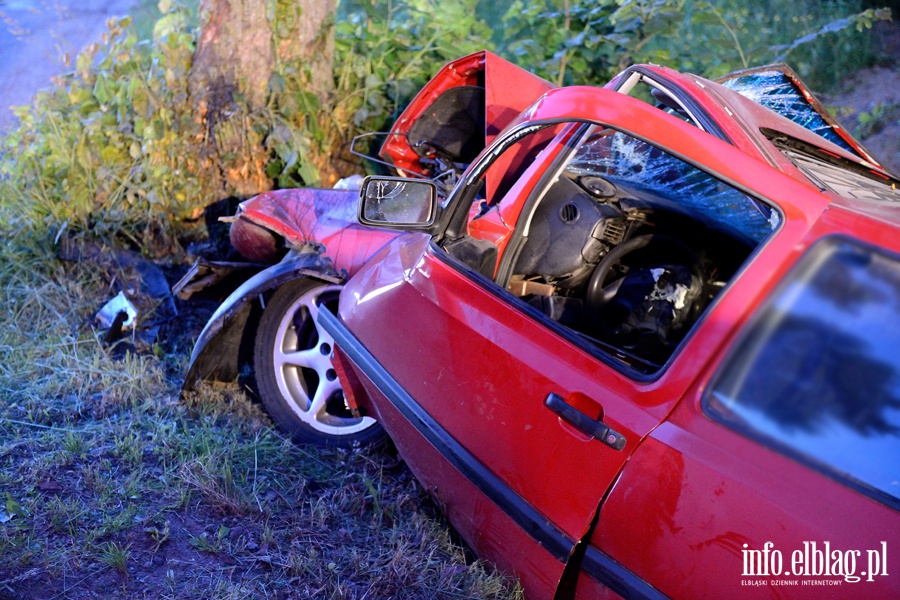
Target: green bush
pixel 589 41
pixel 107 150
pixel 113 151
pixel 823 40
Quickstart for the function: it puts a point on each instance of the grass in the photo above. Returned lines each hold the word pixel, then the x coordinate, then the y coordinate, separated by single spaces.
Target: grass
pixel 114 485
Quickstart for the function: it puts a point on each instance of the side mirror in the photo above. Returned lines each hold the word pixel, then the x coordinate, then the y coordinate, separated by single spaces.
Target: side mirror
pixel 398 203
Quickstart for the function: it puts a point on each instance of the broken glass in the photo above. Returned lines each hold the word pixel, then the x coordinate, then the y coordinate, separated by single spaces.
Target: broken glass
pixel 627 161
pixel 776 91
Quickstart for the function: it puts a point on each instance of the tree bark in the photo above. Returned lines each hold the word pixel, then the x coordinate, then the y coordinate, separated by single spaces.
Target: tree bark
pixel 240 46
pixel 309 40
pixel 304 42
pixel 234 53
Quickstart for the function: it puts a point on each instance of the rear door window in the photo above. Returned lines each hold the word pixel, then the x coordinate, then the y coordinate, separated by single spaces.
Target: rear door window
pixel 817 375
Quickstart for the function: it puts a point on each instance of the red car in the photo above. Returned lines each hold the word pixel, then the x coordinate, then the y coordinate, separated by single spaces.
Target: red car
pixel 638 341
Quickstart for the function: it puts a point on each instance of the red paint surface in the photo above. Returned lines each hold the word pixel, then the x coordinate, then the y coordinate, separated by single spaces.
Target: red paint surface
pixel 508 91
pixel 492 534
pixel 714 490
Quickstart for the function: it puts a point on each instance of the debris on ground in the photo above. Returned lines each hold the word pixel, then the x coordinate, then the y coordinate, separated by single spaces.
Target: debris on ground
pixel 205 274
pixel 143 293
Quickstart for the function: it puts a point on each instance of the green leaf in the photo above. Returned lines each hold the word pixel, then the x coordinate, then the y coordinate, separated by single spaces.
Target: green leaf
pixel 705 18
pixel 274 168
pixel 310 102
pixel 101 90
pixel 309 174
pixel 14 508
pixel 154 130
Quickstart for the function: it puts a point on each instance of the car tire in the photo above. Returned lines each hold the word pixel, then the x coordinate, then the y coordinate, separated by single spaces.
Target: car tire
pixel 295 378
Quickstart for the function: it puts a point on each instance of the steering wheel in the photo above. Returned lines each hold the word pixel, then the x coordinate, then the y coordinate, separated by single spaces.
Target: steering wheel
pixel 599 294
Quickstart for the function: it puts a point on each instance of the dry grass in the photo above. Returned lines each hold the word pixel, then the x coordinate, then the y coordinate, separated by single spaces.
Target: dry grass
pixel 112 486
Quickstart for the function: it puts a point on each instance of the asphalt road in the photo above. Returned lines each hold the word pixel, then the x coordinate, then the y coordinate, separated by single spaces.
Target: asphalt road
pixel 34 36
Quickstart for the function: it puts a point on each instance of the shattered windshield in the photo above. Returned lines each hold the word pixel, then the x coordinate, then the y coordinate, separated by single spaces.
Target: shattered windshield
pixel 630 162
pixel 777 92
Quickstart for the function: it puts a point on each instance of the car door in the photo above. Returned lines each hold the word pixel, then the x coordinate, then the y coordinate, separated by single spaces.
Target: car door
pixel 484 374
pixel 489 387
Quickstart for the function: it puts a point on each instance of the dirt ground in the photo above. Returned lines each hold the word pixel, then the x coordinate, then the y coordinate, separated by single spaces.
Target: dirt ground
pixel 868 104
pixel 874 92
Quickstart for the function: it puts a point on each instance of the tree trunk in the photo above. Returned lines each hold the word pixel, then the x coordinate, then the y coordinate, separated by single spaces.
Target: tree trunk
pixel 241 42
pixel 234 53
pixel 308 39
pixel 304 40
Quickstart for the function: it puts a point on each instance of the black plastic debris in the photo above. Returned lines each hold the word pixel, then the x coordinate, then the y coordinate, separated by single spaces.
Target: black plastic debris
pixel 143 303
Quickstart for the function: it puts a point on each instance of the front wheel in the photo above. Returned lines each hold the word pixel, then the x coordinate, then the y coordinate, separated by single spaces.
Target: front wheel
pixel 294 375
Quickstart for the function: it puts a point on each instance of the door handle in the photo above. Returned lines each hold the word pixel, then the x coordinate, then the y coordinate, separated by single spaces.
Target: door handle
pixel 584 423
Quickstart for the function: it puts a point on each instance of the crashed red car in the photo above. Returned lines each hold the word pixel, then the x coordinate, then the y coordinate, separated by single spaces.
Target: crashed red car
pixel 638 341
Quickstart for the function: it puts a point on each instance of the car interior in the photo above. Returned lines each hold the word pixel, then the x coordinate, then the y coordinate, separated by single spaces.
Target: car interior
pixel 628 257
pixel 627 246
